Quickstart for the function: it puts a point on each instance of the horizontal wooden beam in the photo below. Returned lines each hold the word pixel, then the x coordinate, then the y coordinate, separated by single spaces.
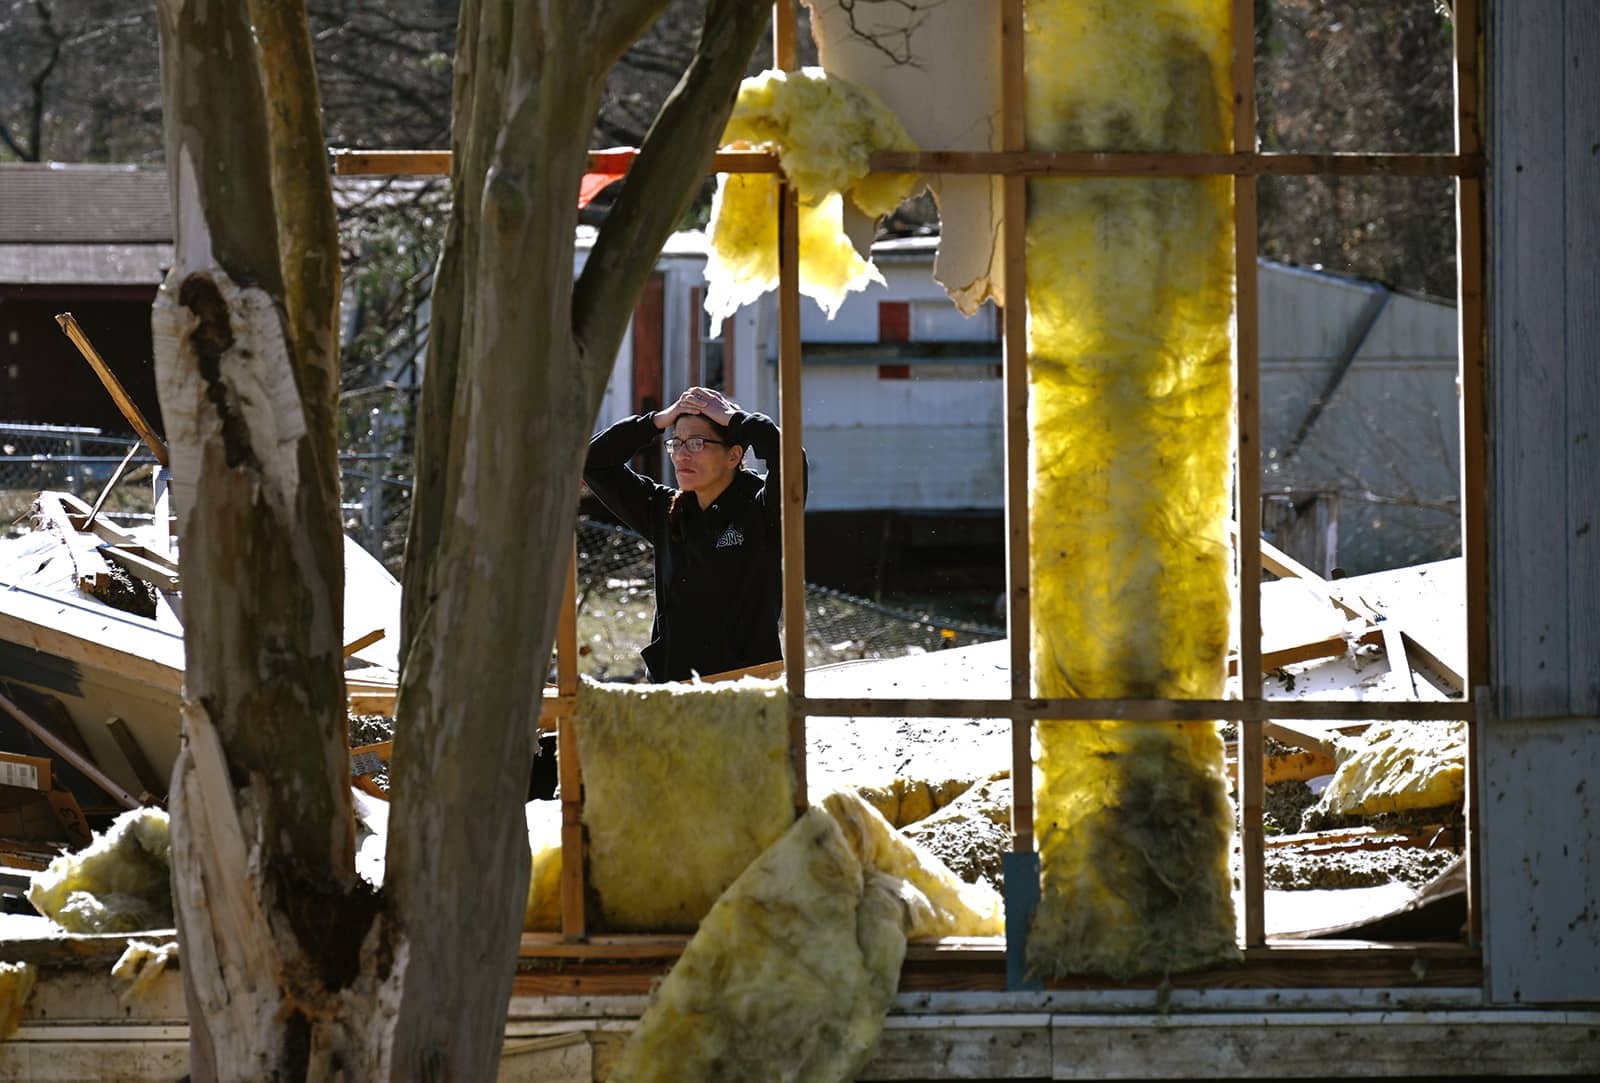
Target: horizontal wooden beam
pixel 1023 163
pixel 1035 163
pixel 1141 710
pixel 436 163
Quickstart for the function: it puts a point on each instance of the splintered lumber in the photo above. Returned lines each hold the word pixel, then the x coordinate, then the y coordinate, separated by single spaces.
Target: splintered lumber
pixel 143 564
pixel 119 395
pixel 89 567
pixel 1350 839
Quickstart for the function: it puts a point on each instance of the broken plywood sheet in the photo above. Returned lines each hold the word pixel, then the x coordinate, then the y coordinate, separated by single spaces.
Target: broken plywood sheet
pixel 937 67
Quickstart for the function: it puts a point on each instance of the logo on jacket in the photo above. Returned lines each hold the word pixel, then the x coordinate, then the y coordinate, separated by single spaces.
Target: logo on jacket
pixel 730 538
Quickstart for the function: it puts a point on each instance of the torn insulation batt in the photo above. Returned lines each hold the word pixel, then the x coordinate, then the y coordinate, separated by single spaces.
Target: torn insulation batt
pixel 683 786
pixel 119 883
pixel 823 130
pixel 1130 296
pixel 1397 766
pixel 789 977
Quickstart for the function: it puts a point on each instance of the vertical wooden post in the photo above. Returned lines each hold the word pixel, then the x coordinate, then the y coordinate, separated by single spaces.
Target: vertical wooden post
pixel 1252 744
pixel 573 920
pixel 789 409
pixel 1013 248
pixel 1474 486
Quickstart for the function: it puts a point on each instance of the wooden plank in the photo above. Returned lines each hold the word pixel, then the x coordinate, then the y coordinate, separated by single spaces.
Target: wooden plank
pixel 927 1047
pixel 155 787
pixel 765 671
pixel 1039 163
pixel 1252 784
pixel 789 403
pixel 156 573
pixel 1365 839
pixel 1394 648
pixel 111 483
pixel 1300 737
pixel 1317 1044
pixel 569 776
pixel 1140 710
pixel 394 163
pixel 89 567
pixel 114 387
pixel 362 642
pixel 1013 249
pixel 1289 766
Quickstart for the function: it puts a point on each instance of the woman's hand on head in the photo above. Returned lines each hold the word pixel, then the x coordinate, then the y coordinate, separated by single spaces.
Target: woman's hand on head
pixel 706 401
pixel 665 418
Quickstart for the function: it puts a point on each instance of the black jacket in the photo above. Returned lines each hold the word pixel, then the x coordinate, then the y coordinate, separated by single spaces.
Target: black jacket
pixel 719 583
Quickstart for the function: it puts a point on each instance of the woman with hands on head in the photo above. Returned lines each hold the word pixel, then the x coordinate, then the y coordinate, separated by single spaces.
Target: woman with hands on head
pixel 717 537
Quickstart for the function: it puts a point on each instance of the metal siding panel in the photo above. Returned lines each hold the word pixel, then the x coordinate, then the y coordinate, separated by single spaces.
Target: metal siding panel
pixel 1529 570
pixel 1583 352
pixel 1541 860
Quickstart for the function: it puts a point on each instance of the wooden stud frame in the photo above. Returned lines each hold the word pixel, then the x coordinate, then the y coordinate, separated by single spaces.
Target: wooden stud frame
pixel 1383 963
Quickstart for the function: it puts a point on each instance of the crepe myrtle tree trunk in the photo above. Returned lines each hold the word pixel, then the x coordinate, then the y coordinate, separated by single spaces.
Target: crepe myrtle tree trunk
pixel 270 912
pixel 517 364
pixel 293 967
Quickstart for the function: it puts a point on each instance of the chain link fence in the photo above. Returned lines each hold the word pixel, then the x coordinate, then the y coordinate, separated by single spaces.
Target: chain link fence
pixel 616 605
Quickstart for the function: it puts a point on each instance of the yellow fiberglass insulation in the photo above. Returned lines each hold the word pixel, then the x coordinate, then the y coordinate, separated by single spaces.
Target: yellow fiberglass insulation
pixel 1130 297
pixel 1396 766
pixel 119 883
pixel 543 912
pixel 954 908
pixel 683 786
pixel 823 130
pixel 789 977
pixel 16 985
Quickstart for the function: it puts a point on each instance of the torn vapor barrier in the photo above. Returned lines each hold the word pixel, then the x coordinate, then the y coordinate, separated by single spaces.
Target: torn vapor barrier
pixel 1130 296
pixel 823 130
pixel 940 74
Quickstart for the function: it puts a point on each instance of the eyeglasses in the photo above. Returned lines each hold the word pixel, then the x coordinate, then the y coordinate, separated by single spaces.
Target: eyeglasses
pixel 692 444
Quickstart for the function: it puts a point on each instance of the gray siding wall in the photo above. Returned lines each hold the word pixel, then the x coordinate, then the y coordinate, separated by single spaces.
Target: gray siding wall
pixel 1541 835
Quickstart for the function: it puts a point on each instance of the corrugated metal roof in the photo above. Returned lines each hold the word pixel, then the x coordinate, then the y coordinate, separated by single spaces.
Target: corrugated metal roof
pixel 51 203
pixel 84 264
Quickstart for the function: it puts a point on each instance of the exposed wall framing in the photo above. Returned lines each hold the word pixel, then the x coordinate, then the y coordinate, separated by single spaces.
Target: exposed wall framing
pixel 574 964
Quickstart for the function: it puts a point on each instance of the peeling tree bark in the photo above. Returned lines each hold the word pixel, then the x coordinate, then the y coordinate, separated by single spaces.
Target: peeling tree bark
pixel 293 971
pixel 270 911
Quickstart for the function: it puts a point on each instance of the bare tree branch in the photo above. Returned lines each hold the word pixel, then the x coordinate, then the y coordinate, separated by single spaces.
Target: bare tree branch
pixel 665 177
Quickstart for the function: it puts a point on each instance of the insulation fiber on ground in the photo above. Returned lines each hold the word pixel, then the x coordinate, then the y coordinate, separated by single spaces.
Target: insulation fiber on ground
pixel 120 883
pixel 954 908
pixel 683 786
pixel 823 130
pixel 1397 766
pixel 1130 295
pixel 789 977
pixel 904 801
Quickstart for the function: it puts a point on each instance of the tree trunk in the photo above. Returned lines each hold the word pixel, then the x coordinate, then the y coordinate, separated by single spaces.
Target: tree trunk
pixel 270 911
pixel 292 969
